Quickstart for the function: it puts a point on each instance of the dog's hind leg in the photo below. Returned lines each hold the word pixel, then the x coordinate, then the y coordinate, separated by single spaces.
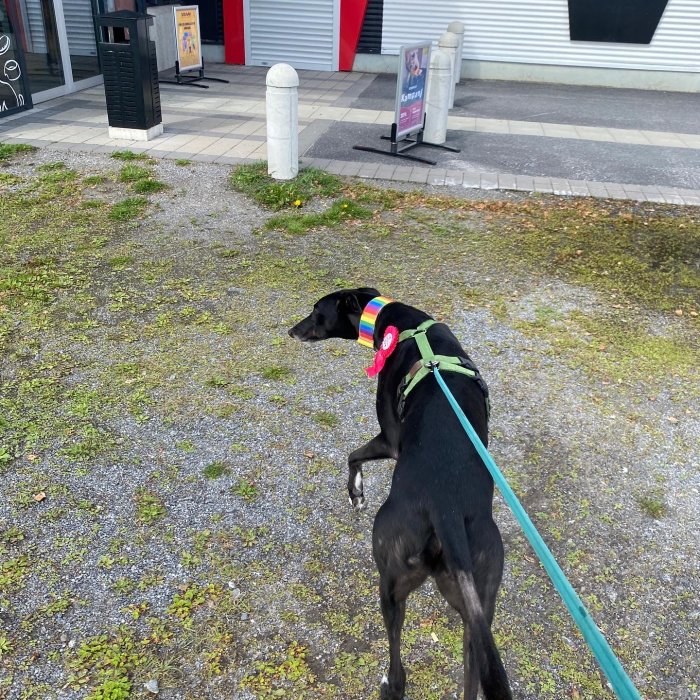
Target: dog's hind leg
pixel 449 587
pixel 376 448
pixel 393 611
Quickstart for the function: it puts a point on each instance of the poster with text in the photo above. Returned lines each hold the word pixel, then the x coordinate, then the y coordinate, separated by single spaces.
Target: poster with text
pixel 410 87
pixel 189 44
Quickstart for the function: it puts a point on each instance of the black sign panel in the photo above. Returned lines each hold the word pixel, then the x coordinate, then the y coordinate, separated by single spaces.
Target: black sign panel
pixel 616 21
pixel 14 90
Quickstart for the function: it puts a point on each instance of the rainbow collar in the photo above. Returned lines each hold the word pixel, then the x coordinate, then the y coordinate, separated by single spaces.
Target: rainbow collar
pixel 369 319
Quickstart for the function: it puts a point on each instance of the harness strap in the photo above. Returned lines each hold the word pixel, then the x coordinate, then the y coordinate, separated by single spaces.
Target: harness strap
pixel 429 359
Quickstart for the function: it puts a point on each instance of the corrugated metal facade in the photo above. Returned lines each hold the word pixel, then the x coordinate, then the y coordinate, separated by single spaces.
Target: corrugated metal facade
pixel 302 33
pixel 537 32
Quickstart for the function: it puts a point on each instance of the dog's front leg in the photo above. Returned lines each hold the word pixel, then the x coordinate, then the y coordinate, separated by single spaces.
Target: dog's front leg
pixel 376 448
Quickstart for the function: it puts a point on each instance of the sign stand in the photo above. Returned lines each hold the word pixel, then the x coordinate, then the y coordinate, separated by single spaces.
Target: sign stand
pixel 409 115
pixel 188 45
pixel 184 79
pixel 400 152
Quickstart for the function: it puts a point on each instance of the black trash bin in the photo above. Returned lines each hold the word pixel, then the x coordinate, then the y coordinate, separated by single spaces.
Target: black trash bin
pixel 130 70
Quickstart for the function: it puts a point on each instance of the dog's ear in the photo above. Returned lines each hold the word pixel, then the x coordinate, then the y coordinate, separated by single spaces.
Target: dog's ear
pixel 351 304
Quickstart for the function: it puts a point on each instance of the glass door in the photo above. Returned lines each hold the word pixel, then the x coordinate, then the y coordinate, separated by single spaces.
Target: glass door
pixel 40 41
pixel 80 30
pixel 58 38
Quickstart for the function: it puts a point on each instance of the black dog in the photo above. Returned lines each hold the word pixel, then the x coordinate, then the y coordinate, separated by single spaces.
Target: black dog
pixel 437 520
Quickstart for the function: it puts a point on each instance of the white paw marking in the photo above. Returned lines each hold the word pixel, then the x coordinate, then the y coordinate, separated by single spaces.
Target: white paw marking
pixel 358 482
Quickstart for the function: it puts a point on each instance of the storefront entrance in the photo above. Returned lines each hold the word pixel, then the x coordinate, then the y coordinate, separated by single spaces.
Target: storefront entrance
pixel 57 38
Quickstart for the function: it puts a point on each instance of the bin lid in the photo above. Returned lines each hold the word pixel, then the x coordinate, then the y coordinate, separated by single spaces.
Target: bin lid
pixel 123 18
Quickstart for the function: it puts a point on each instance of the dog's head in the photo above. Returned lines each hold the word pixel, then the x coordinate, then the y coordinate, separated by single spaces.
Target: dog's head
pixel 336 315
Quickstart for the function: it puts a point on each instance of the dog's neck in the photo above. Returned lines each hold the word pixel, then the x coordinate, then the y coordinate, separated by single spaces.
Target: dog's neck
pixel 396 314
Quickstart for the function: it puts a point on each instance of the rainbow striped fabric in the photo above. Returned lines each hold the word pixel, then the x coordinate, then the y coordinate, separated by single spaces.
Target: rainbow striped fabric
pixel 368 320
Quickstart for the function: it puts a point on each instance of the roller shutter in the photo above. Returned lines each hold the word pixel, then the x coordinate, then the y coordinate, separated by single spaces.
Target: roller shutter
pixel 537 32
pixel 303 33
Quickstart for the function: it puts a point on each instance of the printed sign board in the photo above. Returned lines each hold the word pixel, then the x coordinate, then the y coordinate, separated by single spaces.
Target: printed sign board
pixel 410 87
pixel 189 42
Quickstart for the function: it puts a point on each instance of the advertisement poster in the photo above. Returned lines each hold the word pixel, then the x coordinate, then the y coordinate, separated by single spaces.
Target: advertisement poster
pixel 410 91
pixel 189 44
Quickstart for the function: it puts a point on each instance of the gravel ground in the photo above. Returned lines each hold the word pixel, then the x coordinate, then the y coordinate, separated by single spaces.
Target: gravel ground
pixel 173 507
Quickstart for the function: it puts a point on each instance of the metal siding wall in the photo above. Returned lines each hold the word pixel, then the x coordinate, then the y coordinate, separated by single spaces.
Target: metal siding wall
pixel 537 32
pixel 298 32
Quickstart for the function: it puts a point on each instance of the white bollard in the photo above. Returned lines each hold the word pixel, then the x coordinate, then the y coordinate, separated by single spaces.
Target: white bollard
pixel 282 105
pixel 458 29
pixel 448 43
pixel 439 86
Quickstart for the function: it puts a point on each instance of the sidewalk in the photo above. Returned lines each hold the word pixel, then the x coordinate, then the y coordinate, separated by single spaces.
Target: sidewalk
pixel 624 144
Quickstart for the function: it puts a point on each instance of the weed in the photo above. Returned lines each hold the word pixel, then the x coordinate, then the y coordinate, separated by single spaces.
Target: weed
pixel 93 180
pixel 128 209
pixel 326 419
pixel 186 602
pixel 216 470
pixel 652 504
pixel 132 173
pixel 182 162
pixel 338 212
pixel 254 181
pixel 149 508
pixel 276 372
pixel 9 150
pixel 128 155
pixel 247 490
pixel 148 185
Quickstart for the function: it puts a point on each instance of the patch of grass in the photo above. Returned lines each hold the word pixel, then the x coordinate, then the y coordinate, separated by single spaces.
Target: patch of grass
pixel 247 490
pixel 338 212
pixel 215 470
pixel 8 179
pixel 47 167
pixel 645 255
pixel 326 419
pixel 253 180
pixel 128 155
pixel 276 373
pixel 9 150
pixel 148 186
pixel 92 180
pixel 183 162
pixel 132 173
pixel 652 504
pixel 128 209
pixel 149 507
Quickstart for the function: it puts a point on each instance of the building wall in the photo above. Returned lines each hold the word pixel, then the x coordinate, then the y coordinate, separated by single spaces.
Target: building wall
pixel 532 40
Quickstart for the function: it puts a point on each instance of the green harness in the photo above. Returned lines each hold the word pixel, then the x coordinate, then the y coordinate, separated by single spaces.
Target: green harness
pixel 429 360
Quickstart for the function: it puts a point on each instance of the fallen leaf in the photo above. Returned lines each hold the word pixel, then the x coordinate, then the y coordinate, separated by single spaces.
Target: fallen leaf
pixel 679 312
pixel 434 636
pixel 310 455
pixel 32 458
pixel 39 497
pixel 671 419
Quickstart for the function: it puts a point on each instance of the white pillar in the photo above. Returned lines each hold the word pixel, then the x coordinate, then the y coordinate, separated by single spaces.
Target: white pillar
pixel 448 43
pixel 458 29
pixel 437 102
pixel 282 105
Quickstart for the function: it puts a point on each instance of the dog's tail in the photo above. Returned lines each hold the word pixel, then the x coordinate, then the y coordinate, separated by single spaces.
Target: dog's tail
pixel 480 646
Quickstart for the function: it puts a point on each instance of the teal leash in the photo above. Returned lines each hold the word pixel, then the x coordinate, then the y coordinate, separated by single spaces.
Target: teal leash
pixel 619 680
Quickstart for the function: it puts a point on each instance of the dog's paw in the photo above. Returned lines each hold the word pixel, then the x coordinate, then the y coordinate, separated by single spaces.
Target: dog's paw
pixel 358 503
pixel 385 692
